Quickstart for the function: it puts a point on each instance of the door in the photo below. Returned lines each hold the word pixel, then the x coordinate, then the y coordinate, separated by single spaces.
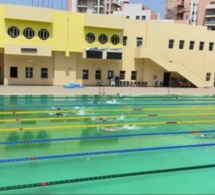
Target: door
pixel 166 79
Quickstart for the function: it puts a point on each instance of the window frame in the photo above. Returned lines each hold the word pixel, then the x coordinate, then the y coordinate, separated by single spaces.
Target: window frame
pixel 133 75
pixel 115 39
pixel 192 45
pixel 122 74
pixel 211 46
pixel 139 41
pixel 13 31
pixel 85 74
pixel 98 74
pixel 171 43
pixel 28 33
pixel 44 73
pixel 208 76
pixel 90 37
pixel 103 39
pixel 28 72
pixel 43 34
pixel 181 44
pixel 201 45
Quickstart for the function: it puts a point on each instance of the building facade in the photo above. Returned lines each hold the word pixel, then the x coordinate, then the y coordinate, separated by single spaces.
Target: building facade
pixel 93 6
pixel 41 46
pixel 137 12
pixel 193 12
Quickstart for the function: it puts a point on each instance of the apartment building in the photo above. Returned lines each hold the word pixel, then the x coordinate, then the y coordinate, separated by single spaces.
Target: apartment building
pixel 193 12
pixel 41 46
pixel 93 6
pixel 137 12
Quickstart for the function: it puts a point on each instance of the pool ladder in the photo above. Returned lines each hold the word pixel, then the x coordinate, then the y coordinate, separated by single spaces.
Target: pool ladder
pixel 101 90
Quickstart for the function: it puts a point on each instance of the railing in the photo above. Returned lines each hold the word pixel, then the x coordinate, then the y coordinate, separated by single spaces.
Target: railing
pixel 210 22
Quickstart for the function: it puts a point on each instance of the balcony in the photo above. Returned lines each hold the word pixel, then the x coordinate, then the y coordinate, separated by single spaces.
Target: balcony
pixel 116 3
pixel 182 10
pixel 180 3
pixel 210 14
pixel 210 23
pixel 81 4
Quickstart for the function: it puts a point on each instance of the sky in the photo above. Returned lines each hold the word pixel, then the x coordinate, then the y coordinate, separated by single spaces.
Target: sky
pixel 155 5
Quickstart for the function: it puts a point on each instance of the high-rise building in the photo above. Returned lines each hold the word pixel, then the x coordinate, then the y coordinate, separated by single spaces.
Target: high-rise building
pixel 193 12
pixel 94 6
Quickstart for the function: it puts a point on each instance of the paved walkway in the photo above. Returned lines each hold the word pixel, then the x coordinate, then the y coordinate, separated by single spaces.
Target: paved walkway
pixel 15 90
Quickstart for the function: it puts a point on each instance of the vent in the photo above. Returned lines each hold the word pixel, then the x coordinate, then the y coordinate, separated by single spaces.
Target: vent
pixel 31 50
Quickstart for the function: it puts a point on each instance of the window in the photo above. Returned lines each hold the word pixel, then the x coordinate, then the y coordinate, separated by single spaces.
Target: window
pixel 171 44
pixel 28 72
pixel 122 74
pixel 133 75
pixel 137 17
pixel 103 38
pixel 201 45
pixel 127 17
pixel 115 39
pixel 13 72
pixel 43 34
pixel 44 73
pixel 124 40
pixel 98 75
pixel 143 17
pixel 28 33
pixel 85 74
pixel 90 37
pixel 139 41
pixel 13 32
pixel 192 43
pixel 110 74
pixel 208 76
pixel 211 46
pixel 181 44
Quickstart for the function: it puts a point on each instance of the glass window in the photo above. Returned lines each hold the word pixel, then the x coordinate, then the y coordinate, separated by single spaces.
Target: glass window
pixel 137 17
pixel 13 32
pixel 44 73
pixel 143 17
pixel 192 43
pixel 28 33
pixel 13 72
pixel 181 44
pixel 125 40
pixel 28 72
pixel 115 39
pixel 90 37
pixel 208 76
pixel 103 38
pixel 201 45
pixel 127 17
pixel 171 44
pixel 43 34
pixel 211 46
pixel 122 74
pixel 85 74
pixel 133 75
pixel 139 41
pixel 98 75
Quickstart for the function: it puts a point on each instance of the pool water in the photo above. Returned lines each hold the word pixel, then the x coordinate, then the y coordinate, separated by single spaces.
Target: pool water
pixel 50 138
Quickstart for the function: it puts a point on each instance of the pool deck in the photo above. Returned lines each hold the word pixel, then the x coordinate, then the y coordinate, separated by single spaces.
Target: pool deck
pixel 59 90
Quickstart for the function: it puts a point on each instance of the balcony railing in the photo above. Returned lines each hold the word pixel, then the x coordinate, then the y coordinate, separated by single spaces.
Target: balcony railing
pixel 210 22
pixel 182 10
pixel 81 4
pixel 209 13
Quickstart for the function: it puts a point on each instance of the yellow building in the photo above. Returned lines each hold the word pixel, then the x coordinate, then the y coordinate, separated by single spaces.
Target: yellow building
pixel 48 47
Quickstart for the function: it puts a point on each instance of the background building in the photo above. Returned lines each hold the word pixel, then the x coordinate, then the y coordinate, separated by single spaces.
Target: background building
pixel 137 12
pixel 193 12
pixel 94 6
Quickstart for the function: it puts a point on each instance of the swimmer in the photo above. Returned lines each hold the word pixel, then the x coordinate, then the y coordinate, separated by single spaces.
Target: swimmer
pixel 106 129
pixel 205 136
pixel 56 108
pixel 118 94
pixel 95 102
pixel 98 119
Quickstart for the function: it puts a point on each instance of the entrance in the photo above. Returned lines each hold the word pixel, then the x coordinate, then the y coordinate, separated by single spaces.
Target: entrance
pixel 110 74
pixel 166 79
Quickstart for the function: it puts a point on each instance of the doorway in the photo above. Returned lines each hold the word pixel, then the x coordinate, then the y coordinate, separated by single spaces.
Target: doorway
pixel 166 79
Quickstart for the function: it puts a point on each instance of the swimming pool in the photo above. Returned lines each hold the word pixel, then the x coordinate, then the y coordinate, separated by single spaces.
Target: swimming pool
pixel 125 144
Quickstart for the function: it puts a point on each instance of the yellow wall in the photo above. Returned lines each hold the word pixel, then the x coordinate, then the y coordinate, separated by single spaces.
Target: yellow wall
pixel 63 52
